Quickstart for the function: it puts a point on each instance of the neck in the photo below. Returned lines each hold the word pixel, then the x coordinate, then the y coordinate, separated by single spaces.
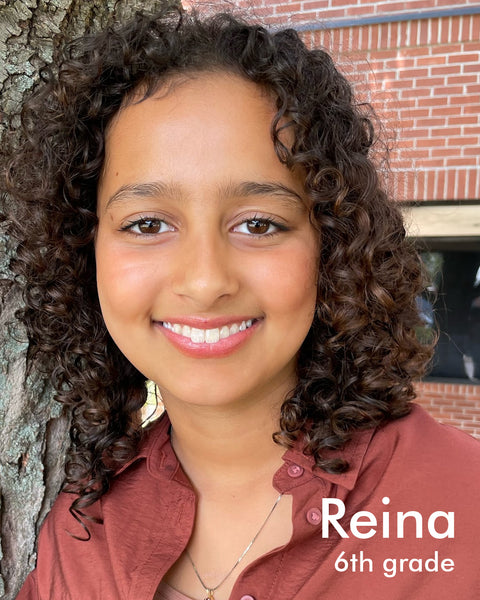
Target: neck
pixel 226 446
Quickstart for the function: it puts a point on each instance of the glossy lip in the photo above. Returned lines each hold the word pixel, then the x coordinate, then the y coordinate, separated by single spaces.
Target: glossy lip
pixel 223 347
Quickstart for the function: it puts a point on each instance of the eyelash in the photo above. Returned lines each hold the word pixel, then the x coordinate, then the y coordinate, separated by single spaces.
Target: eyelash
pixel 279 227
pixel 140 221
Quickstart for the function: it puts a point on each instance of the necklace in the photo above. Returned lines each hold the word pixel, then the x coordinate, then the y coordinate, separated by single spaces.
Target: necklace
pixel 211 590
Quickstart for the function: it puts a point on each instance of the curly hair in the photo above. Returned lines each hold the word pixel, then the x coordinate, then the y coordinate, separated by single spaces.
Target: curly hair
pixel 356 366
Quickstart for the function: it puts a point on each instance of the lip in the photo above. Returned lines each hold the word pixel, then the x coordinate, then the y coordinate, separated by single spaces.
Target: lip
pixel 219 349
pixel 208 323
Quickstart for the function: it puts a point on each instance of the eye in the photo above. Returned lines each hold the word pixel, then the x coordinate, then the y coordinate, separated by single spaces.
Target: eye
pixel 147 226
pixel 259 226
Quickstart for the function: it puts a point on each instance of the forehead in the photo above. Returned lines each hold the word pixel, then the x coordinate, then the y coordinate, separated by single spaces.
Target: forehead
pixel 199 98
pixel 194 130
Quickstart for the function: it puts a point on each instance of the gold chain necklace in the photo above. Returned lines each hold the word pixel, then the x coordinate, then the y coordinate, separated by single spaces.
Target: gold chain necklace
pixel 211 590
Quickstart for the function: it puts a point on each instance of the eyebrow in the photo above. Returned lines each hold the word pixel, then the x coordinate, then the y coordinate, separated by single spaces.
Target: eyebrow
pixel 232 190
pixel 267 188
pixel 141 190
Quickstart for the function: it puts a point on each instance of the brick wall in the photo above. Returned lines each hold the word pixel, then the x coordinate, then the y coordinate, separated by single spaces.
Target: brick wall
pixel 452 403
pixel 422 75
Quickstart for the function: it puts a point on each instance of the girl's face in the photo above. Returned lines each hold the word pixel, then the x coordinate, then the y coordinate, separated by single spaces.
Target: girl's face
pixel 206 259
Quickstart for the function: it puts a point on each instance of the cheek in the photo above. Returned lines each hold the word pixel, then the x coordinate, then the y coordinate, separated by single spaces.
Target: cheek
pixel 288 283
pixel 125 285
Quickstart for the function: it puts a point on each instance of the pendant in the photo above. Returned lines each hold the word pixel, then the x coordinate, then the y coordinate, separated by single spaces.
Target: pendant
pixel 210 595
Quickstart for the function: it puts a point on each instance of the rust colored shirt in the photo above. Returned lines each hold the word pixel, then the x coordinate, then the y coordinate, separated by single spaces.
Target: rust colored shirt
pixel 412 464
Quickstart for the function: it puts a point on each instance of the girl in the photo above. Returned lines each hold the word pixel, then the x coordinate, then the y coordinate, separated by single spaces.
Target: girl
pixel 196 204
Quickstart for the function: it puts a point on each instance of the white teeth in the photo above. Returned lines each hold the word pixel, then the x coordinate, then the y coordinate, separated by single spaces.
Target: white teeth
pixel 210 336
pixel 197 335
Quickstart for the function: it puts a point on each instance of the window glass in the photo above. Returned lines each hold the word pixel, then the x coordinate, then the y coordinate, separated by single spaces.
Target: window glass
pixel 452 302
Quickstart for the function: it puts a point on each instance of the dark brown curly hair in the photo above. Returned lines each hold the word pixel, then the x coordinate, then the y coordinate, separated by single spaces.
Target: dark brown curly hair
pixel 356 366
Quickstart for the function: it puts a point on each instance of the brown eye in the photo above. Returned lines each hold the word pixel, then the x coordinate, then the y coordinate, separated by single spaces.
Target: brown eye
pixel 149 226
pixel 258 226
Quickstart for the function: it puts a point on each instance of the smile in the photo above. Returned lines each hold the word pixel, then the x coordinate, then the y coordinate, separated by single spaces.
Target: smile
pixel 208 336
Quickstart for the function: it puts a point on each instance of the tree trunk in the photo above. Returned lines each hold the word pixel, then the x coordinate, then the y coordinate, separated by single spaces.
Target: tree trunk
pixel 33 429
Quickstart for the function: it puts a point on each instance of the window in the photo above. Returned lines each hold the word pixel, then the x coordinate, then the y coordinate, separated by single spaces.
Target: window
pixel 450 251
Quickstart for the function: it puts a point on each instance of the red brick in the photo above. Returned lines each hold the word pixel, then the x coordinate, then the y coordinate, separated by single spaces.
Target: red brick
pixel 313 4
pixel 383 55
pixel 444 70
pixel 430 142
pixel 462 141
pixel 461 79
pixel 433 101
pixel 288 8
pixel 475 28
pixel 445 110
pixel 472 109
pixel 441 152
pixel 463 57
pixel 437 82
pixel 415 92
pixel 431 60
pixel 470 151
pixel 415 113
pixel 472 192
pixel 475 68
pixel 462 120
pixel 448 90
pixel 432 163
pixel 446 49
pixel 390 7
pixel 450 192
pixel 431 122
pixel 455 28
pixel 472 130
pixel 446 132
pixel 424 33
pixel 440 184
pixel 435 29
pixel 473 99
pixel 416 133
pixel 461 162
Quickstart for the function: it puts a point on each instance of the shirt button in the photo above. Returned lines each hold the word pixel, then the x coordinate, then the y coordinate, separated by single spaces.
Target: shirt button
pixel 295 471
pixel 314 516
pixel 247 597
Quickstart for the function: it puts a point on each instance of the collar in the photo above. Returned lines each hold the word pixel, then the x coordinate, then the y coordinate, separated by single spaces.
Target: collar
pixel 162 462
pixel 353 451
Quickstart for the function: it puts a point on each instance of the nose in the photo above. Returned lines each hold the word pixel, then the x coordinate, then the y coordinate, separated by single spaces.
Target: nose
pixel 205 270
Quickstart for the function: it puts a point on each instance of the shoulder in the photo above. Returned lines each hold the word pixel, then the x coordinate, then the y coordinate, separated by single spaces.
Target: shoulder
pixel 113 525
pixel 422 440
pixel 416 457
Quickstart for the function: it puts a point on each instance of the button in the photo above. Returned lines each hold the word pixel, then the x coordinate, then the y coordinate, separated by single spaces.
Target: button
pixel 295 471
pixel 247 597
pixel 314 516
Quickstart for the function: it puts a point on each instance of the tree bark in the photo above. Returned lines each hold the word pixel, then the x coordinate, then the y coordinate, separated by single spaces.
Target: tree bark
pixel 33 428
